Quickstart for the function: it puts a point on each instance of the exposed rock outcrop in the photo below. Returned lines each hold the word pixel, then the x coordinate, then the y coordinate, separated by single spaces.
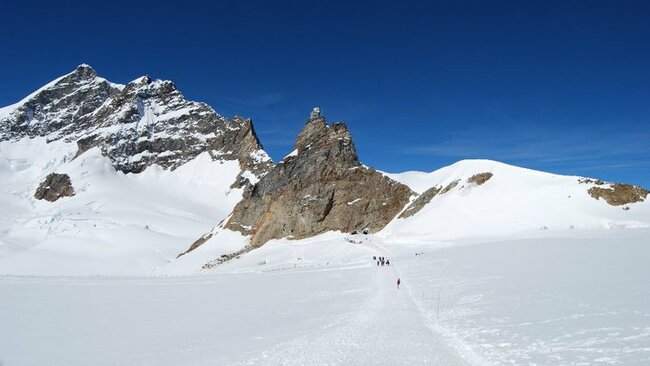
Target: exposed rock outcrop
pixel 618 194
pixel 136 125
pixel 450 186
pixel 597 182
pixel 479 178
pixel 54 187
pixel 319 187
pixel 225 258
pixel 62 108
pixel 429 194
pixel 615 194
pixel 420 202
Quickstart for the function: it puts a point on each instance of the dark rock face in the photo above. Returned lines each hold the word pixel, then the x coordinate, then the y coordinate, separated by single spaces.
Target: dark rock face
pixel 597 182
pixel 143 123
pixel 420 202
pixel 479 178
pixel 615 194
pixel 320 187
pixel 197 243
pixel 54 187
pixel 60 109
pixel 450 186
pixel 429 194
pixel 225 258
pixel 618 194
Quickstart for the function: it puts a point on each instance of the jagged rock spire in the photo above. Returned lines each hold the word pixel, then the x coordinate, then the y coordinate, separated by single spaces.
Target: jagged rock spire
pixel 322 187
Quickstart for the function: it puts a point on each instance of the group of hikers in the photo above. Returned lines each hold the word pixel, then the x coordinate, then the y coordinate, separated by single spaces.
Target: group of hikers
pixel 381 261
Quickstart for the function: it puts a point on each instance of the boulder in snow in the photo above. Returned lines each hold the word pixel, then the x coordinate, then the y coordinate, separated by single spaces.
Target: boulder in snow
pixel 54 187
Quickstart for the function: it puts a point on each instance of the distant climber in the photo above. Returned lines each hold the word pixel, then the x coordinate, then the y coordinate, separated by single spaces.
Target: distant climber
pixel 398 282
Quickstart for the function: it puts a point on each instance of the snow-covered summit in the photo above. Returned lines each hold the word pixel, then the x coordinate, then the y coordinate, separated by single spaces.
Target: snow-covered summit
pixel 473 198
pixel 88 132
pixel 193 166
pixel 421 181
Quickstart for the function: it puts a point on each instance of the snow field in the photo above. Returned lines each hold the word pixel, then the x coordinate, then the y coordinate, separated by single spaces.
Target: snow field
pixel 570 299
pixel 94 278
pixel 577 299
pixel 198 320
pixel 513 201
pixel 116 224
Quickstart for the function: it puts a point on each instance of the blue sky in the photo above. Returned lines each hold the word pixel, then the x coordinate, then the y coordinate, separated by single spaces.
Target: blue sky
pixel 560 86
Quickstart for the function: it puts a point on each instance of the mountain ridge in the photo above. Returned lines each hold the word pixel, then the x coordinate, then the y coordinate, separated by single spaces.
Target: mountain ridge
pixel 138 124
pixel 322 187
pixel 124 146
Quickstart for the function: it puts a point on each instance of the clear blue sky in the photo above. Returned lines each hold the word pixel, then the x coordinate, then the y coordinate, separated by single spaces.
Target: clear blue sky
pixel 561 86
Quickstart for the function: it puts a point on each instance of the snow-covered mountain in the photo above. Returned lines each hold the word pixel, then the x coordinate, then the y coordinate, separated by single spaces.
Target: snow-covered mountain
pixel 144 173
pixel 479 198
pixel 149 170
pixel 136 125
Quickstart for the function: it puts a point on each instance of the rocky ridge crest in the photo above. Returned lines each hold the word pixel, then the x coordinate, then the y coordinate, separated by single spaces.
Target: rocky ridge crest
pixel 321 186
pixel 136 125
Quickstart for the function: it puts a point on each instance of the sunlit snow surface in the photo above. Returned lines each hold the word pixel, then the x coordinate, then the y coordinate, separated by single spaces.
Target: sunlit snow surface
pixel 117 224
pixel 94 279
pixel 579 298
pixel 514 200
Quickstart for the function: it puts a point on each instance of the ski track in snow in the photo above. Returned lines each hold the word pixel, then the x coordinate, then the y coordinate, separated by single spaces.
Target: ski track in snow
pixel 387 329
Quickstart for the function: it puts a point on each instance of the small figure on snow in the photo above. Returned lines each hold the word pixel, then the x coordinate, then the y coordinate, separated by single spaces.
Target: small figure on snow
pixel 398 282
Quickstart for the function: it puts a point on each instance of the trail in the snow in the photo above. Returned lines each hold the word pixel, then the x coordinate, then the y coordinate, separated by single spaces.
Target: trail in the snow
pixel 387 329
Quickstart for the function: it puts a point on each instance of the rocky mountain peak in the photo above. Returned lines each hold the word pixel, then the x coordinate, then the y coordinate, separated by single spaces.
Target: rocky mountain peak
pixel 142 80
pixel 83 71
pixel 313 129
pixel 319 187
pixel 321 141
pixel 136 125
pixel 54 109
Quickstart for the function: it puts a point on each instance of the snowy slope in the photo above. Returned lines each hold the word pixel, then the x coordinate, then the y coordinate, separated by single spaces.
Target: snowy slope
pixel 138 223
pixel 417 181
pixel 578 297
pixel 563 298
pixel 152 172
pixel 116 223
pixel 130 216
pixel 523 268
pixel 513 200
